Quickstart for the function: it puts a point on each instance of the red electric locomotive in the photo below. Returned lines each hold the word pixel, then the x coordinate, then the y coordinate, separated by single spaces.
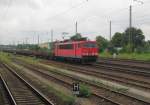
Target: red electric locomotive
pixel 80 51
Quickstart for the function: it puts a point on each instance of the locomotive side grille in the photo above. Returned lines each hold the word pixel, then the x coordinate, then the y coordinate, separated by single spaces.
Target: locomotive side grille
pixel 89 52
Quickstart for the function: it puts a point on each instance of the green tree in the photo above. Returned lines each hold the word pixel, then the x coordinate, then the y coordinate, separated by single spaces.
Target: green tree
pixel 102 43
pixel 78 36
pixel 133 37
pixel 147 46
pixel 117 39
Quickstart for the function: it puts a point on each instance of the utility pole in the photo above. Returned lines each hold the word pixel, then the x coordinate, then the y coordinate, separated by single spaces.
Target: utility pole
pixel 38 40
pixel 18 43
pixel 23 43
pixel 26 42
pixel 130 26
pixel 52 39
pixel 76 27
pixel 51 35
pixel 110 30
pixel 33 40
pixel 130 23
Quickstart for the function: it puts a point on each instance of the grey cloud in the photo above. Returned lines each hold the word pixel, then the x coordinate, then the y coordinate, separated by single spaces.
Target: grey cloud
pixel 30 3
pixel 29 18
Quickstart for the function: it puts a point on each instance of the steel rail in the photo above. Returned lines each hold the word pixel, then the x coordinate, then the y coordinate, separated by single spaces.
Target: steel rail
pixel 9 94
pixel 126 69
pixel 39 94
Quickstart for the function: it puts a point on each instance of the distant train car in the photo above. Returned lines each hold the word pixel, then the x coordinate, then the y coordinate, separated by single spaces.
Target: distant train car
pixel 80 51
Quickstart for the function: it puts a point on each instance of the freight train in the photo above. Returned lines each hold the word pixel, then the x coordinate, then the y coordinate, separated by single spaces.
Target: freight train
pixel 76 51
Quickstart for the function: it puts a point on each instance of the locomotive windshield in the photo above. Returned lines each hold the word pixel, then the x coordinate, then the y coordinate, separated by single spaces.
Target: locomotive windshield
pixel 90 45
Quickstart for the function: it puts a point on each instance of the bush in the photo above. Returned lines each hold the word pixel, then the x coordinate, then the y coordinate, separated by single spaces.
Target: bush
pixel 84 90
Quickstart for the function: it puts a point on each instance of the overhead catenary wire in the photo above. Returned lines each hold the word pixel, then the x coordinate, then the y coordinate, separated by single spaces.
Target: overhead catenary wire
pixel 126 17
pixel 67 10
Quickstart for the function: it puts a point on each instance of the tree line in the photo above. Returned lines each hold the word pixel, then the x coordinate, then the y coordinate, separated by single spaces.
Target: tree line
pixel 131 40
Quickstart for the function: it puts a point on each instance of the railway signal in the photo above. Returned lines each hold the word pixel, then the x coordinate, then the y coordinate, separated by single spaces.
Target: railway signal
pixel 76 88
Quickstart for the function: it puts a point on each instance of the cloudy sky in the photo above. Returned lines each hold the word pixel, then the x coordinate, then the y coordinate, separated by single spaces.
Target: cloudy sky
pixel 24 20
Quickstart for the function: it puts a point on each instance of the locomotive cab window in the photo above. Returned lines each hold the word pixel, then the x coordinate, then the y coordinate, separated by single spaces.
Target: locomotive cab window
pixel 90 45
pixel 69 46
pixel 66 46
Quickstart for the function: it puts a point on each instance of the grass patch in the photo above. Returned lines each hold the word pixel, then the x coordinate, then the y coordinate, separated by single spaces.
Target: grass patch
pixel 5 57
pixel 134 56
pixel 66 99
pixel 31 60
pixel 105 55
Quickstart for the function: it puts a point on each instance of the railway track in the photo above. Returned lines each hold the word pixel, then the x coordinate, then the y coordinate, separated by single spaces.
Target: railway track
pixel 105 74
pixel 20 91
pixel 5 98
pixel 129 63
pixel 140 79
pixel 101 92
pixel 124 68
pixel 124 60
